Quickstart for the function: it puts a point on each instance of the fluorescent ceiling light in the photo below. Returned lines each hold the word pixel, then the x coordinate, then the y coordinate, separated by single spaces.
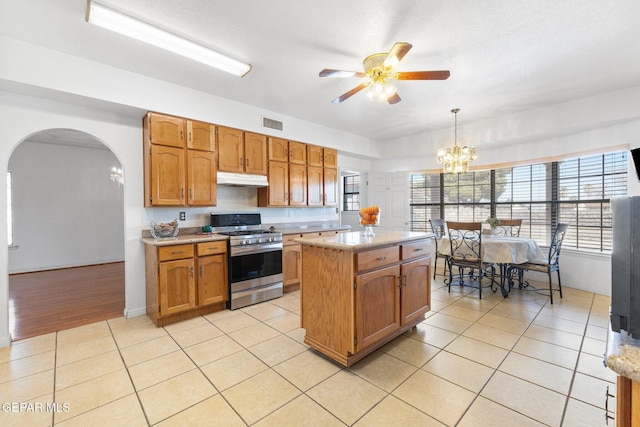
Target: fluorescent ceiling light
pixel 123 24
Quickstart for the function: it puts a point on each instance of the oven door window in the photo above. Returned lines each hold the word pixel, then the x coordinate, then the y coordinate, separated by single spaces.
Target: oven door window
pixel 247 267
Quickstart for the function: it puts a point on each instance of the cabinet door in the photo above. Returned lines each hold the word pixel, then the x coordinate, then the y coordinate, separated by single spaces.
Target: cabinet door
pixel 297 153
pixel 330 157
pixel 297 185
pixel 314 156
pixel 415 290
pixel 212 279
pixel 291 265
pixel 201 178
pixel 166 130
pixel 177 286
pixel 255 153
pixel 377 305
pixel 278 149
pixel 230 150
pixel 315 186
pixel 278 184
pixel 167 176
pixel 330 187
pixel 200 136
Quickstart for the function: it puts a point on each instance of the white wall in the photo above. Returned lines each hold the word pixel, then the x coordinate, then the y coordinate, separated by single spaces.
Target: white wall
pixel 66 210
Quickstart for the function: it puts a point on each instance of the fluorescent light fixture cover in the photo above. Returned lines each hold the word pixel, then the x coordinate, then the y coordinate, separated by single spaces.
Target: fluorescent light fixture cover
pixel 123 24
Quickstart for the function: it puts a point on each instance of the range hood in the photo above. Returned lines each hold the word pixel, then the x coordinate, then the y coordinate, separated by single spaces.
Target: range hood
pixel 242 180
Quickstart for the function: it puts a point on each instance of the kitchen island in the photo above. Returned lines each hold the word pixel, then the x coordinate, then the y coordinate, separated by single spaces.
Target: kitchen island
pixel 360 292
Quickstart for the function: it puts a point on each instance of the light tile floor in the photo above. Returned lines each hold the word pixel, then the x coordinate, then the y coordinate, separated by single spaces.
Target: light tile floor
pixel 490 362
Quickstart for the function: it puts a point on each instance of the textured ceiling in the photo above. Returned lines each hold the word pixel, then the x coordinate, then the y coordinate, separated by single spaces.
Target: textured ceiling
pixel 504 56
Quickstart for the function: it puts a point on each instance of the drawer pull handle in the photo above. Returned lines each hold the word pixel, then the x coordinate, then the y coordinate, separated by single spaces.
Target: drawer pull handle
pixel 177 252
pixel 381 258
pixel 418 249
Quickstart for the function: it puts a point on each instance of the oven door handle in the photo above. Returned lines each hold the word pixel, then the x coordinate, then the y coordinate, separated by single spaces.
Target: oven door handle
pixel 256 249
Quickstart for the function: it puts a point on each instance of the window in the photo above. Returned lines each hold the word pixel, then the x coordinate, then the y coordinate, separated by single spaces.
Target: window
pixel 574 190
pixel 351 189
pixel 9 211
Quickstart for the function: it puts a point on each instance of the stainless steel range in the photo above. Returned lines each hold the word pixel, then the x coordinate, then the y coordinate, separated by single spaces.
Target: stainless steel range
pixel 255 258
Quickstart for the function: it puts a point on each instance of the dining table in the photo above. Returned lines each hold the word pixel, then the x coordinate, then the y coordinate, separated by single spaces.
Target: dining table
pixel 502 251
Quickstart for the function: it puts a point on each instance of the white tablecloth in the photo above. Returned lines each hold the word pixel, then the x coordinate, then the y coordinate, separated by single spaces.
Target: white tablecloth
pixel 503 250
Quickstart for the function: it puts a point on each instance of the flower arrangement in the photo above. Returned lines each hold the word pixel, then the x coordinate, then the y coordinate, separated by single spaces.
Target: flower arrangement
pixel 493 222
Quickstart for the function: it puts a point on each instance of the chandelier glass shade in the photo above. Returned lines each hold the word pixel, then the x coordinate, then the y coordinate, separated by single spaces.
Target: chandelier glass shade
pixel 117 176
pixel 456 159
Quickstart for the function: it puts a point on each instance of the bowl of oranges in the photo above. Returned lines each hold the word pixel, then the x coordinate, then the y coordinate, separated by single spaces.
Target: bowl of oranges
pixel 369 217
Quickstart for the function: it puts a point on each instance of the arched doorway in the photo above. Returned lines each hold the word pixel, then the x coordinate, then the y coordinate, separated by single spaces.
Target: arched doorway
pixel 67 233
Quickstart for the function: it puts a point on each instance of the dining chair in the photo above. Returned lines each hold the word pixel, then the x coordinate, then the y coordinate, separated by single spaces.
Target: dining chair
pixel 508 227
pixel 465 239
pixel 551 264
pixel 438 228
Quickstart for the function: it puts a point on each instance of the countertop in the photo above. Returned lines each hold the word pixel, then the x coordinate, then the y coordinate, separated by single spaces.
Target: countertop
pixel 623 355
pixel 186 238
pixel 356 240
pixel 311 229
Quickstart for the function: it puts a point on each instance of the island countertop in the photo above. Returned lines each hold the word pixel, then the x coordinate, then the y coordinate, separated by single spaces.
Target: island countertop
pixel 623 355
pixel 356 240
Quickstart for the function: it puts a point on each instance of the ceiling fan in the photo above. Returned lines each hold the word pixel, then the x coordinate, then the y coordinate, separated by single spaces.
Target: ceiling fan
pixel 378 69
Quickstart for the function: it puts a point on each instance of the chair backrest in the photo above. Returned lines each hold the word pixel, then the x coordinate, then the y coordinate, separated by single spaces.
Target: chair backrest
pixel 466 240
pixel 556 243
pixel 508 227
pixel 438 228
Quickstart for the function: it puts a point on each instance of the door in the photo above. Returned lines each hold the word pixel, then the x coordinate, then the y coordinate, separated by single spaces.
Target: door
pixel 391 193
pixel 167 176
pixel 278 149
pixel 415 290
pixel 291 265
pixel 212 279
pixel 330 158
pixel 278 184
pixel 230 150
pixel 377 299
pixel 255 153
pixel 201 178
pixel 297 153
pixel 177 286
pixel 297 185
pixel 314 156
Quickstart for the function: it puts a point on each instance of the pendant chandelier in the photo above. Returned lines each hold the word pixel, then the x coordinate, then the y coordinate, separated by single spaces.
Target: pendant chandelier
pixel 456 159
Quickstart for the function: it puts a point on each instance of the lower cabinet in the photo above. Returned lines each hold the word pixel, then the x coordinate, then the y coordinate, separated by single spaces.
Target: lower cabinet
pixel 627 403
pixel 185 280
pixel 353 302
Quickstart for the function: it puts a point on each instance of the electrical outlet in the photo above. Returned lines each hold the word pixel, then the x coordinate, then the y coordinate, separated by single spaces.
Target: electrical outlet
pixel 183 216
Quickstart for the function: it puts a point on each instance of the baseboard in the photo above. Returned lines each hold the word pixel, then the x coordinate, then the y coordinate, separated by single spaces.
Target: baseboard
pixel 5 341
pixel 140 311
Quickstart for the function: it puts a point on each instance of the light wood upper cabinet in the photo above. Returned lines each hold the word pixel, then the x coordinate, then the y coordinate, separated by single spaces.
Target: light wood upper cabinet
pixel 278 149
pixel 166 130
pixel 201 178
pixel 315 186
pixel 167 180
pixel 201 136
pixel 255 151
pixel 314 155
pixel 277 193
pixel 297 153
pixel 297 185
pixel 230 149
pixel 330 187
pixel 330 158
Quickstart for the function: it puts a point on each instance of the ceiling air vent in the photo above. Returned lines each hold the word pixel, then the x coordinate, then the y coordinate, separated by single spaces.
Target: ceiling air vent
pixel 271 123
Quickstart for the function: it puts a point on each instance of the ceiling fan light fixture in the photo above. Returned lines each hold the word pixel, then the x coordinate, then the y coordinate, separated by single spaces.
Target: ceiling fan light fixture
pixel 112 20
pixel 456 159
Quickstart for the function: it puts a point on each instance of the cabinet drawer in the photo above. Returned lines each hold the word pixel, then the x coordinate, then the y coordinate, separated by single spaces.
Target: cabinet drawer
pixel 167 253
pixel 415 249
pixel 210 248
pixel 377 258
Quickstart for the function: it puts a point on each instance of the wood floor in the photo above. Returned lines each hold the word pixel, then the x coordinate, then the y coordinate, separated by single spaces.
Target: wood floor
pixel 53 300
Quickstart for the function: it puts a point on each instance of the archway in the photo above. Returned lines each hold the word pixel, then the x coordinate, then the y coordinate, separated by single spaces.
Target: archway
pixel 68 230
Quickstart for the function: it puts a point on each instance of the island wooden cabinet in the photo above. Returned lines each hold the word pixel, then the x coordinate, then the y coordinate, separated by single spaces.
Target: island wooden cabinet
pixel 627 403
pixel 355 300
pixel 241 152
pixel 185 280
pixel 179 162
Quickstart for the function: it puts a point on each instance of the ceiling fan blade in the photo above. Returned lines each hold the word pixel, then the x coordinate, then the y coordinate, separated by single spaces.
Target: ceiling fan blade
pixel 394 99
pixel 423 75
pixel 340 73
pixel 397 52
pixel 349 94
